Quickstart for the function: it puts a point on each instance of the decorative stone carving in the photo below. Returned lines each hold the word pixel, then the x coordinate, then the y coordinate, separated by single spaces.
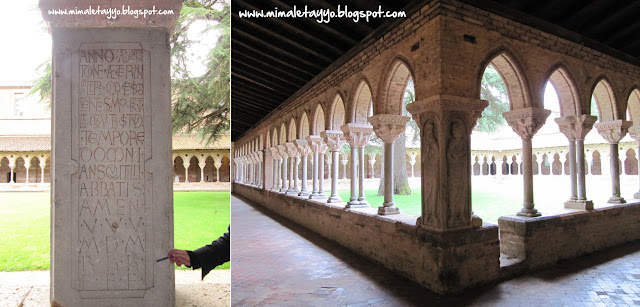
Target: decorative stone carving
pixel 292 150
pixel 388 127
pixel 275 153
pixel 316 143
pixel 333 138
pixel 613 131
pixel 282 149
pixel 527 121
pixel 576 127
pixel 357 135
pixel 303 147
pixel 634 132
pixel 446 123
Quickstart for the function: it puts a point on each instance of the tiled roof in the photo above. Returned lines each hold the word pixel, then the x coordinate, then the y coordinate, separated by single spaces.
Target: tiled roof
pixel 43 143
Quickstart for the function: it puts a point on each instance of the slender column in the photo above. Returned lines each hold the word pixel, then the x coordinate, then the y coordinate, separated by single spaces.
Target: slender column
pixel 27 165
pixel 12 165
pixel 186 165
pixel 634 131
pixel 412 161
pixel 304 150
pixel 284 169
pixel 294 157
pixel 217 165
pixel 526 122
pixel 613 132
pixel 43 164
pixel 357 135
pixel 335 140
pixel 317 146
pixel 388 128
pixel 344 162
pixel 202 165
pixel 575 128
pixel 275 155
pixel 321 174
pixel 372 162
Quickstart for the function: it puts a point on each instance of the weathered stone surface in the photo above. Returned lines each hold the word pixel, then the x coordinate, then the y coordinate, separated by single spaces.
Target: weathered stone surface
pixel 112 213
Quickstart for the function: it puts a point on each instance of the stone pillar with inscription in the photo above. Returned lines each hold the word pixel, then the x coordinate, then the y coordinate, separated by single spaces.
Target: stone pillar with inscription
pixel 613 131
pixel 388 128
pixel 445 125
pixel 112 202
pixel 526 122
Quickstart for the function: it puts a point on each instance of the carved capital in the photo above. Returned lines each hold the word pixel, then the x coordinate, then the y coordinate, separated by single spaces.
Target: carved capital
pixel 388 127
pixel 440 104
pixel 357 135
pixel 333 138
pixel 303 147
pixel 576 127
pixel 316 143
pixel 282 150
pixel 613 131
pixel 292 150
pixel 527 121
pixel 634 131
pixel 275 153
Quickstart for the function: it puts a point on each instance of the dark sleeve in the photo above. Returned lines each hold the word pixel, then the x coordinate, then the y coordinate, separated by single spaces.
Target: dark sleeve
pixel 212 255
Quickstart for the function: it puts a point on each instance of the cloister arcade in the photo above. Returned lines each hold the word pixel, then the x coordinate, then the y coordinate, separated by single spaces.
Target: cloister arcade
pixel 446 70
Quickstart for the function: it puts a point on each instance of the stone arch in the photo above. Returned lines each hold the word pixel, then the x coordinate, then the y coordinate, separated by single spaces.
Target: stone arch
pixel 194 169
pixel 596 166
pixel 4 170
pixel 20 171
pixel 268 139
pixel 556 166
pixel 225 169
pixel 512 75
pixel 336 113
pixel 209 171
pixel 283 134
pixel 361 104
pixel 292 130
pixel 566 90
pixel 392 88
pixel 178 169
pixel 604 96
pixel 317 122
pixel 633 105
pixel 303 130
pixel 274 137
pixel 35 174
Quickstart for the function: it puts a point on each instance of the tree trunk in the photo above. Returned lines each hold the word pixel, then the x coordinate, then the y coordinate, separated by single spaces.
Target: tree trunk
pixel 400 179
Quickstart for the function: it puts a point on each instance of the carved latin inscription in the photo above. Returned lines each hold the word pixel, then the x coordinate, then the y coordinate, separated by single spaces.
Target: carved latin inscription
pixel 110 134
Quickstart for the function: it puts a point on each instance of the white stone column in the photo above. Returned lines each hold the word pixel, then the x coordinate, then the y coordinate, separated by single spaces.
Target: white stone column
pixel 519 163
pixel 304 150
pixel 388 128
pixel 275 154
pixel 526 122
pixel 202 165
pixel 186 164
pixel 12 166
pixel 27 165
pixel 412 161
pixel 318 147
pixel 344 162
pixel 613 132
pixel 372 163
pixel 43 164
pixel 357 135
pixel 334 140
pixel 575 128
pixel 634 131
pixel 284 167
pixel 294 156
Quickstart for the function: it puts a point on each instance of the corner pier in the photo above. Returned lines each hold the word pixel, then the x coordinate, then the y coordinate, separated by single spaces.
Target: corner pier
pixel 112 202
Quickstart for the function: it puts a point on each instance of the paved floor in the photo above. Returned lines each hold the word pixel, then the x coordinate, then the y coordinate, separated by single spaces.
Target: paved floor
pixel 276 262
pixel 24 289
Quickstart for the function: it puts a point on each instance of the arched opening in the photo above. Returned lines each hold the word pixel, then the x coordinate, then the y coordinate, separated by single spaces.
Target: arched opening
pixel 194 169
pixel 209 171
pixel 178 169
pixel 362 103
pixel 605 101
pixel 225 169
pixel 393 90
pixel 596 164
pixel 318 120
pixel 631 163
pixel 5 171
pixel 20 171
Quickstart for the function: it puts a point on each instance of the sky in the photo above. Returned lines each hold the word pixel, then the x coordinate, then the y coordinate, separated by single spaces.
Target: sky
pixel 25 42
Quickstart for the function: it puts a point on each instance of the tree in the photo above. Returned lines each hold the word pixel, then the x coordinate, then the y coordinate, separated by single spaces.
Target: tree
pixel 492 89
pixel 200 104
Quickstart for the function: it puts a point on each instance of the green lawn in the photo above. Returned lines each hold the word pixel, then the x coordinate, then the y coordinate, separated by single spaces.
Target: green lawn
pixel 199 218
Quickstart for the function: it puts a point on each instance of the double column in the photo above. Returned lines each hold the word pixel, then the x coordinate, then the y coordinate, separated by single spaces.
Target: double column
pixel 318 147
pixel 575 128
pixel 388 128
pixel 526 122
pixel 294 159
pixel 613 132
pixel 357 135
pixel 445 125
pixel 304 150
pixel 275 154
pixel 334 140
pixel 284 161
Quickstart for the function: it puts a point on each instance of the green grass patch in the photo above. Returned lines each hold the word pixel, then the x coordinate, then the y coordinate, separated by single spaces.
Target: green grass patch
pixel 199 218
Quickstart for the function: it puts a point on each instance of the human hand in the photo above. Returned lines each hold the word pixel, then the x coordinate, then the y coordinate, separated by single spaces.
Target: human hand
pixel 179 257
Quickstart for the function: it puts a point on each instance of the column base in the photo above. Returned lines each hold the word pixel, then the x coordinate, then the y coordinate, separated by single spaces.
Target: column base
pixel 356 204
pixel 283 190
pixel 388 210
pixel 335 199
pixel 616 200
pixel 636 195
pixel 304 193
pixel 529 212
pixel 476 221
pixel 317 196
pixel 579 204
pixel 292 192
